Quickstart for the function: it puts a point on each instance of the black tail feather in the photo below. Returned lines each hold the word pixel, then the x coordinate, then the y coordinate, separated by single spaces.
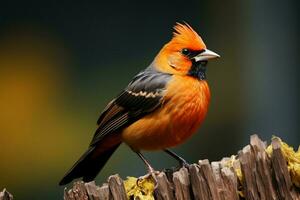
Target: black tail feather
pixel 88 166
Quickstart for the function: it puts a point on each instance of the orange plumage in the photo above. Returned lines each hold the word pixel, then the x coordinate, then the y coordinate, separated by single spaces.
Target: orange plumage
pixel 185 108
pixel 160 108
pixel 170 55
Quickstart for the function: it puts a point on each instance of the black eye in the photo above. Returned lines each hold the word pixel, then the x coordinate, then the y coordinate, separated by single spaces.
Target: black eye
pixel 185 51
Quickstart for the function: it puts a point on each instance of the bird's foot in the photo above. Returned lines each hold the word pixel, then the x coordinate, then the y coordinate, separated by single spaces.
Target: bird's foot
pixel 183 163
pixel 150 175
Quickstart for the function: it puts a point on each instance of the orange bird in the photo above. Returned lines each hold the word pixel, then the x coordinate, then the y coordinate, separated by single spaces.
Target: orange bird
pixel 160 108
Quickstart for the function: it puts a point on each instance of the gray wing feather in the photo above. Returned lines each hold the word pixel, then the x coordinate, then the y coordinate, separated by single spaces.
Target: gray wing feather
pixel 142 96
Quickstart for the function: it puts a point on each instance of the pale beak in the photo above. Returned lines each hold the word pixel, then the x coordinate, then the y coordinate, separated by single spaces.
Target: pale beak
pixel 206 55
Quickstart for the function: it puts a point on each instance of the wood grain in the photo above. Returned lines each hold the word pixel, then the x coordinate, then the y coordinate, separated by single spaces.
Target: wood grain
pixel 251 175
pixel 262 178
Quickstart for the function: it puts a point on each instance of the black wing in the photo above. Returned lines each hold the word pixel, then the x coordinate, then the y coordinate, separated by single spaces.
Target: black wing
pixel 143 95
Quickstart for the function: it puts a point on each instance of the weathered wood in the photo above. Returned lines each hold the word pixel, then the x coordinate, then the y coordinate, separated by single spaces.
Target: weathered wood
pixel 204 185
pixel 78 192
pixel 252 175
pixel 230 183
pixel 163 190
pixel 210 180
pixel 105 192
pixel 197 181
pixel 5 195
pixel 97 193
pixel 282 176
pixel 226 181
pixel 182 184
pixel 116 187
pixel 248 169
pixel 263 173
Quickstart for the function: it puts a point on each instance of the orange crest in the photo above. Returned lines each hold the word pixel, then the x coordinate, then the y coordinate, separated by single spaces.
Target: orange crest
pixel 185 36
pixel 171 59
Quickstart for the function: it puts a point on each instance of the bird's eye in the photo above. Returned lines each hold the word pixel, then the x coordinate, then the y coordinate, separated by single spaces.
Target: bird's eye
pixel 185 51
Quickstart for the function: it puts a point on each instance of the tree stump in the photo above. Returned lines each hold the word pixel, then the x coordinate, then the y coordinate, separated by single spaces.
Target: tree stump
pixel 256 173
pixel 252 174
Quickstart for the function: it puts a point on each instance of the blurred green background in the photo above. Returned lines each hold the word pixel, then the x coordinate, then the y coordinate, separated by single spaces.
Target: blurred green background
pixel 61 62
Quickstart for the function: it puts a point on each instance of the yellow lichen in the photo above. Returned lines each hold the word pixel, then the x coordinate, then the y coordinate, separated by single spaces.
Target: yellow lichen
pixel 232 163
pixel 143 190
pixel 292 158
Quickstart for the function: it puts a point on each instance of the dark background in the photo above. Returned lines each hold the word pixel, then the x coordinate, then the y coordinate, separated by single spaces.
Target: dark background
pixel 61 62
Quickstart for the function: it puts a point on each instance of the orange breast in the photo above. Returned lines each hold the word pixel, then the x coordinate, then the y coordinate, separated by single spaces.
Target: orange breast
pixel 184 108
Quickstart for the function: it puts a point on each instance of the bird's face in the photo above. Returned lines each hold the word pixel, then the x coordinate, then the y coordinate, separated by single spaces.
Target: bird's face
pixel 186 54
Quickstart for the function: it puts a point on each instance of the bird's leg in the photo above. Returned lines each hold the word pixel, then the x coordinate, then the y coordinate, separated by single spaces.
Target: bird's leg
pixel 181 161
pixel 150 169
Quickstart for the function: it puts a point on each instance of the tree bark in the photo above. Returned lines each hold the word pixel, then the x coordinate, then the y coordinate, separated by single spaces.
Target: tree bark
pixel 252 174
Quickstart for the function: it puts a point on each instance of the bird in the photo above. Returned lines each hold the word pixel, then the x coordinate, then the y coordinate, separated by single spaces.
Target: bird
pixel 161 107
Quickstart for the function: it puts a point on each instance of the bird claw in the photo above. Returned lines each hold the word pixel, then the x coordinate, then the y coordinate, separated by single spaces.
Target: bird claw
pixel 184 164
pixel 150 175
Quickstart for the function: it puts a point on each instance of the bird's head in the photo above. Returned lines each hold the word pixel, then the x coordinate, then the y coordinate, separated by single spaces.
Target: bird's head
pixel 185 54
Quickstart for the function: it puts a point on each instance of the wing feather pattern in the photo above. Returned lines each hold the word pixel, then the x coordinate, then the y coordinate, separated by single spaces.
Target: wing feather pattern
pixel 142 96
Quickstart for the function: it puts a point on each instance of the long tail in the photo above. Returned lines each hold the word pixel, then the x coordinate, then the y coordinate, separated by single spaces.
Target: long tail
pixel 92 161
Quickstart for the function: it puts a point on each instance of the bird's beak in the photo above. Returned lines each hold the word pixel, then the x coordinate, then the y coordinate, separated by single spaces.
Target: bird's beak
pixel 206 55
